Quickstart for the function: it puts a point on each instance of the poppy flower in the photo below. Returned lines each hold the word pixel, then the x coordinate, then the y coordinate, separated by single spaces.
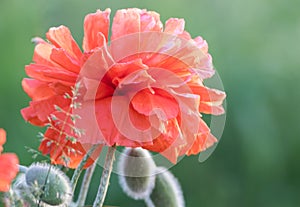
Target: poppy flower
pixel 143 88
pixel 8 165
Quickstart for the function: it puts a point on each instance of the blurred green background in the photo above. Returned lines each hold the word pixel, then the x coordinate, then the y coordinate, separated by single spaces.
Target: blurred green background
pixel 255 45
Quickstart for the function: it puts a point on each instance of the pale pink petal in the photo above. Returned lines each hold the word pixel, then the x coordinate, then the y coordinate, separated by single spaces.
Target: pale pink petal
pixel 174 26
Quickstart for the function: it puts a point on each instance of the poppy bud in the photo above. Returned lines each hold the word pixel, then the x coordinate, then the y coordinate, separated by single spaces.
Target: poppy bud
pixel 167 191
pixel 48 185
pixel 136 168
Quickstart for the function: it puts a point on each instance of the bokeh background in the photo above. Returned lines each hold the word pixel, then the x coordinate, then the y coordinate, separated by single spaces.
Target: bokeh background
pixel 256 49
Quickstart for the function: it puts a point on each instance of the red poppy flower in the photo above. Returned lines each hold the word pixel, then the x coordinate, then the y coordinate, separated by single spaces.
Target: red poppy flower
pixel 8 165
pixel 143 89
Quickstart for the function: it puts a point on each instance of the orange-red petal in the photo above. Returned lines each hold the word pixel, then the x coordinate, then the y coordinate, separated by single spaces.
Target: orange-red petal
pixel 50 74
pixel 63 59
pixel 128 21
pixel 159 102
pixel 42 53
pixel 2 138
pixel 94 24
pixel 38 112
pixel 61 37
pixel 210 99
pixel 37 90
pixel 8 170
pixel 63 152
pixel 202 142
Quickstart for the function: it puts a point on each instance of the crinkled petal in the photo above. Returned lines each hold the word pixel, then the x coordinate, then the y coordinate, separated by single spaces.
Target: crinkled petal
pixel 120 71
pixel 162 142
pixel 42 53
pixel 38 112
pixel 202 142
pixel 62 58
pixel 174 26
pixel 62 151
pixel 128 21
pixel 61 37
pixel 94 24
pixel 50 74
pixel 160 103
pixel 120 124
pixel 210 99
pixel 37 90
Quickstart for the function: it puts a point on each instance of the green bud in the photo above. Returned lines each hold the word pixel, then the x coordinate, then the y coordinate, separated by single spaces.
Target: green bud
pixel 19 195
pixel 48 185
pixel 167 191
pixel 136 168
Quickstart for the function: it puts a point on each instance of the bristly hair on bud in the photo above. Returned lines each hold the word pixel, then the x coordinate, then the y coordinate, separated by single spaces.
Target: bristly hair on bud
pixel 47 185
pixel 167 191
pixel 20 194
pixel 136 168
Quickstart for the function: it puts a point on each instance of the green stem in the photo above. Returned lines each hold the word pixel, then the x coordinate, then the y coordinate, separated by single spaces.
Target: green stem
pixel 104 182
pixel 78 170
pixel 85 185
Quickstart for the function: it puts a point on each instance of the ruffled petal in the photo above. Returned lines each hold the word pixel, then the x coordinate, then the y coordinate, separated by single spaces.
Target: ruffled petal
pixel 38 112
pixel 202 142
pixel 37 90
pixel 164 141
pixel 63 59
pixel 128 21
pixel 61 37
pixel 93 25
pixel 174 26
pixel 160 103
pixel 118 72
pixel 65 152
pixel 42 53
pixel 210 99
pixel 50 74
pixel 120 124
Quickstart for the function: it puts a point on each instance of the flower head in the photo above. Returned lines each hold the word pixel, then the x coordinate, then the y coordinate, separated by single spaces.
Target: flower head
pixel 8 165
pixel 143 89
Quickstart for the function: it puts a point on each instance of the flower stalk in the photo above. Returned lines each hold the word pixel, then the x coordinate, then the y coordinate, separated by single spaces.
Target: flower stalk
pixel 104 182
pixel 85 185
pixel 78 170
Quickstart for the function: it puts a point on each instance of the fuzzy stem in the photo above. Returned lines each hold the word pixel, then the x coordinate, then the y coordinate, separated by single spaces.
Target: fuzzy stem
pixel 78 170
pixel 104 182
pixel 85 185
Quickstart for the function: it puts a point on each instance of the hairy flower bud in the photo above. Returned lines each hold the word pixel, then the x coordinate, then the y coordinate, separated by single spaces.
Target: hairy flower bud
pixel 20 194
pixel 136 168
pixel 48 185
pixel 167 191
